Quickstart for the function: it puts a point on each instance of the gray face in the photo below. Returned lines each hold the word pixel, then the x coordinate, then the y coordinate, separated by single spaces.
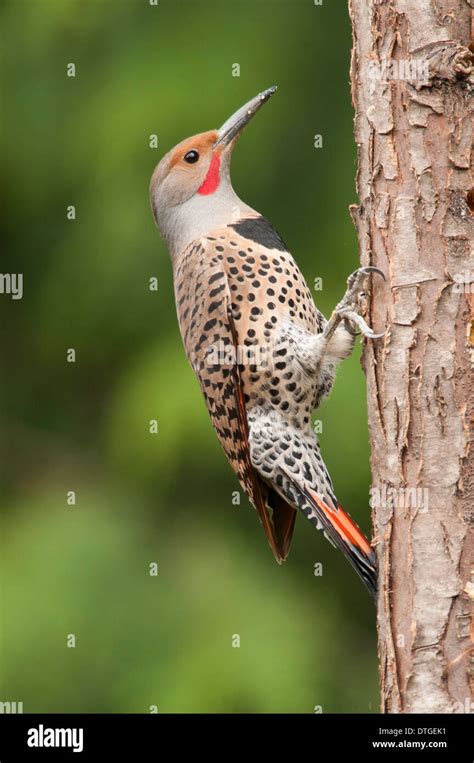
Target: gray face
pixel 182 171
pixel 191 191
pixel 189 198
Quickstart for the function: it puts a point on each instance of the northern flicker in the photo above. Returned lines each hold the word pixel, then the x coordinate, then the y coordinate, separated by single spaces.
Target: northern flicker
pixel 264 355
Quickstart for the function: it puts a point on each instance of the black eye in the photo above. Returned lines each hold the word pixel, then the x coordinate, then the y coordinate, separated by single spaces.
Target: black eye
pixel 191 157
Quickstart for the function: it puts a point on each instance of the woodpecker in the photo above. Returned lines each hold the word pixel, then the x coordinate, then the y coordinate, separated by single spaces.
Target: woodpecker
pixel 264 355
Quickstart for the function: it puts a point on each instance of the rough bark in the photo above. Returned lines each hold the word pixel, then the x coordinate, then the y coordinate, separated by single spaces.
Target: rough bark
pixel 413 130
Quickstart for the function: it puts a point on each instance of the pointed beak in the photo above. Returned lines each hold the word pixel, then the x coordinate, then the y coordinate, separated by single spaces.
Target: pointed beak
pixel 236 123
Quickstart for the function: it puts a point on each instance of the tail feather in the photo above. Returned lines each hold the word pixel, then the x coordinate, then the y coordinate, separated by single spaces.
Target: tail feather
pixel 345 534
pixel 284 516
pixel 340 530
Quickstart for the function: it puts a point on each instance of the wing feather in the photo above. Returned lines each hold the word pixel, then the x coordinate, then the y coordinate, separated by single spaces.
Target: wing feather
pixel 211 341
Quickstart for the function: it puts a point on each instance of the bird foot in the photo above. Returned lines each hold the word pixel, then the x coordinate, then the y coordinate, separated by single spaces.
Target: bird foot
pixel 347 309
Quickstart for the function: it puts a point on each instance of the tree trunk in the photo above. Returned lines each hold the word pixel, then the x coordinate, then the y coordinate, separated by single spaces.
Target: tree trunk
pixel 412 88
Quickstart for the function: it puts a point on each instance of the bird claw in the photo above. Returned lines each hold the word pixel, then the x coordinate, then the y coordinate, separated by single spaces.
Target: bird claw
pixel 373 269
pixel 357 278
pixel 349 329
pixel 346 309
pixel 353 317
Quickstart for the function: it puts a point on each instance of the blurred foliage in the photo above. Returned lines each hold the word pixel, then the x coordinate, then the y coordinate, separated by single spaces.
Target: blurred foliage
pixel 165 498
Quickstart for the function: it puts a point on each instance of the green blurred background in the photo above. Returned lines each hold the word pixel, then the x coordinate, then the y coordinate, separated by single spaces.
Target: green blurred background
pixel 163 640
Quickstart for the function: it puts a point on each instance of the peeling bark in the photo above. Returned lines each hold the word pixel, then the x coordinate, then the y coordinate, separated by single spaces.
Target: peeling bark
pixel 412 85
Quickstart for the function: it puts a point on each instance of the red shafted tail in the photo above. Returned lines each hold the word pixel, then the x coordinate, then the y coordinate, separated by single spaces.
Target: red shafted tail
pixel 345 534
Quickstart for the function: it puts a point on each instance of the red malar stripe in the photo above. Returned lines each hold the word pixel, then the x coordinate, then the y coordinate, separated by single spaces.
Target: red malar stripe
pixel 211 182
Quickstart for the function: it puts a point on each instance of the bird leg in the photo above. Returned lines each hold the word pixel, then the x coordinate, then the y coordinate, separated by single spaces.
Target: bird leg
pixel 346 310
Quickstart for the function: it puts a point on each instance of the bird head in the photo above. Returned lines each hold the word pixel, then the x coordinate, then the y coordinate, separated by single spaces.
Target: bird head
pixel 191 191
